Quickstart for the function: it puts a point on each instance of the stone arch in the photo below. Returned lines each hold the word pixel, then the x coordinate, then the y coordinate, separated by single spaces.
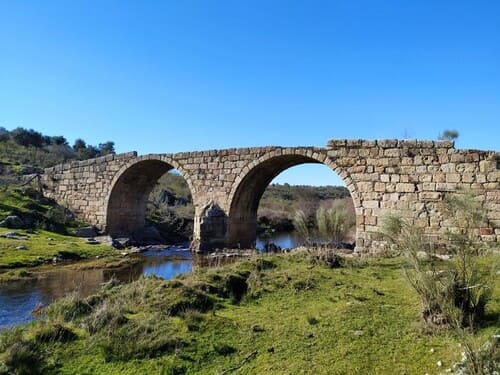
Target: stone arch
pixel 249 186
pixel 129 191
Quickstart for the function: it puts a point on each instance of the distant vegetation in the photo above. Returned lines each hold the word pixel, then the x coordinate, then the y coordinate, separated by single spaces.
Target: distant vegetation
pixel 171 209
pixel 24 151
pixel 448 135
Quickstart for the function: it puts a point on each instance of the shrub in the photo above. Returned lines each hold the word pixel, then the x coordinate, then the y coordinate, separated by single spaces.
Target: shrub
pixel 188 298
pixel 334 222
pixel 480 360
pixel 224 349
pixel 235 287
pixel 453 292
pixel 24 357
pixel 300 224
pixel 54 333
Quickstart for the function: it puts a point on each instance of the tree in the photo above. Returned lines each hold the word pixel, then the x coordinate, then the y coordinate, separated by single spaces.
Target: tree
pixel 88 152
pixel 79 145
pixel 27 138
pixel 4 134
pixel 59 140
pixel 449 135
pixel 107 148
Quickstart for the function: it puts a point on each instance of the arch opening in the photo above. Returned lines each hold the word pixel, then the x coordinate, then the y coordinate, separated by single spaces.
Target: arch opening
pixel 138 205
pixel 243 225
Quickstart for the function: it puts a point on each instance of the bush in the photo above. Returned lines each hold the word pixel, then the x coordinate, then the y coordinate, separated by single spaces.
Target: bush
pixel 452 292
pixel 224 349
pixel 23 358
pixel 235 287
pixel 480 360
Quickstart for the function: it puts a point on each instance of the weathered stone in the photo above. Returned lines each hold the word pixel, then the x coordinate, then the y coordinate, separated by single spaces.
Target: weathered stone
pixel 89 232
pixel 395 175
pixel 12 222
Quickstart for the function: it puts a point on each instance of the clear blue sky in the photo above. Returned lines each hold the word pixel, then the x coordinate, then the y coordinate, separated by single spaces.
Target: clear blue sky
pixel 168 76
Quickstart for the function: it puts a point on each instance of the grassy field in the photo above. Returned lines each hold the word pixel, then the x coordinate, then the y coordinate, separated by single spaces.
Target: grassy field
pixel 278 314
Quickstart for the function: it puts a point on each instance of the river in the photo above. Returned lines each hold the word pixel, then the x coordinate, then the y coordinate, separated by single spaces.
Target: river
pixel 19 298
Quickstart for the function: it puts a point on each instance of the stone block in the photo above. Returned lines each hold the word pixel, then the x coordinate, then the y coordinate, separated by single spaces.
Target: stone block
pixel 387 143
pixel 364 186
pixel 493 195
pixel 371 204
pixel 335 143
pixel 392 152
pixel 427 177
pixel 448 167
pixel 446 187
pixel 453 177
pixel 430 195
pixel 444 144
pixel 405 188
pixel 493 176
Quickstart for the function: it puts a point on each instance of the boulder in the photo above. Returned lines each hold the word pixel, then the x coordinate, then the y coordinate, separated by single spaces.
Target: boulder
pixel 14 236
pixel 87 232
pixel 13 222
pixel 149 235
pixel 422 255
pixel 121 243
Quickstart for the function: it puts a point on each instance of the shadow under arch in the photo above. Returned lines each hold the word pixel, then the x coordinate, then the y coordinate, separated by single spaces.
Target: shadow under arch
pixel 246 194
pixel 130 188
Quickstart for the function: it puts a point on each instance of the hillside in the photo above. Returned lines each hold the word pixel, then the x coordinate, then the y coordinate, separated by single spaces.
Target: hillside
pixel 27 151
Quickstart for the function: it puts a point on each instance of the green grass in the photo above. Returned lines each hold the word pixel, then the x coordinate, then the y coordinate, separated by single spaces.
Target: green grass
pixel 42 246
pixel 289 316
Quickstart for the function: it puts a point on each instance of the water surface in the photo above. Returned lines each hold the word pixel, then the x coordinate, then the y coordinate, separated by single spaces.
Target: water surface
pixel 19 298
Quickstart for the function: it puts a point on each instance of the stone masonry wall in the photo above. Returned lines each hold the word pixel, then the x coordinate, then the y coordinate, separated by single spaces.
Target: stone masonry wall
pixel 411 177
pixel 407 177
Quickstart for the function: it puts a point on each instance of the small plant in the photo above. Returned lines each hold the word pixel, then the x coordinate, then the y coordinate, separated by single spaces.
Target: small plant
pixel 193 319
pixel 312 320
pixel 300 224
pixel 224 349
pixel 333 223
pixel 480 359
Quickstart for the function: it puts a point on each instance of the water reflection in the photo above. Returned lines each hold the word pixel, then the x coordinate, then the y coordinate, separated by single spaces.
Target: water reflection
pixel 285 240
pixel 19 298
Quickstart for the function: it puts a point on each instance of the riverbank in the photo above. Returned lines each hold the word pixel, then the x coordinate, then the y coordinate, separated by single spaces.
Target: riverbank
pixel 285 313
pixel 24 250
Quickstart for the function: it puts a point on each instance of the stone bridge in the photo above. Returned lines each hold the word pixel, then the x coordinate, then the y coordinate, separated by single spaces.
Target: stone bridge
pixel 407 177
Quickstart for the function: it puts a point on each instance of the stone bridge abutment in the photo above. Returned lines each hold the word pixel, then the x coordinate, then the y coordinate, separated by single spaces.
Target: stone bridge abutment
pixel 405 177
